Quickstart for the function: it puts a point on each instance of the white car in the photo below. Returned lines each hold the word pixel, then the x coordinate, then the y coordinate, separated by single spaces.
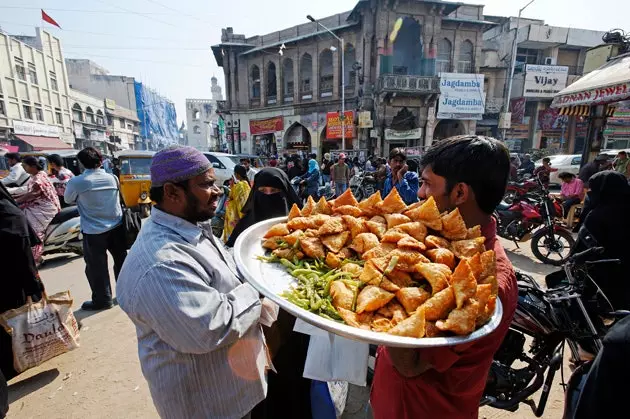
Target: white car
pixel 223 164
pixel 564 163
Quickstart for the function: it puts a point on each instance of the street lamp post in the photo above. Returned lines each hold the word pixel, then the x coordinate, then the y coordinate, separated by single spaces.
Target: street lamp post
pixel 343 81
pixel 506 105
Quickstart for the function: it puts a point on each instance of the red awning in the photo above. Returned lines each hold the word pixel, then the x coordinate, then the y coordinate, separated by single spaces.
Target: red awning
pixel 43 143
pixel 10 148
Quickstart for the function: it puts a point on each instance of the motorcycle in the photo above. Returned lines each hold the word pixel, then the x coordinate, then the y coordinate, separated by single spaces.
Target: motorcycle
pixel 363 185
pixel 323 190
pixel 573 310
pixel 63 234
pixel 516 190
pixel 533 216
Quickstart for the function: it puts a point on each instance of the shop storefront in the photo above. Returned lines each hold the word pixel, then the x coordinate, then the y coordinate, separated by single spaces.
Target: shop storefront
pixel 263 134
pixel 333 130
pixel 401 139
pixel 461 100
pixel 37 137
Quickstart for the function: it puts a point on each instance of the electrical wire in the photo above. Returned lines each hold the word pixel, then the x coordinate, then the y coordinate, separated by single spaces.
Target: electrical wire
pixel 175 10
pixel 54 9
pixel 180 64
pixel 146 16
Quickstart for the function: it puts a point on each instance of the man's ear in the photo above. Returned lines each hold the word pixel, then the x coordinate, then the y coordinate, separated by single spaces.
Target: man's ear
pixel 172 193
pixel 460 194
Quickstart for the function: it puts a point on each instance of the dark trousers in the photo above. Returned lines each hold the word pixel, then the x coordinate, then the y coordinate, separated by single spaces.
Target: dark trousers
pixel 568 203
pixel 95 247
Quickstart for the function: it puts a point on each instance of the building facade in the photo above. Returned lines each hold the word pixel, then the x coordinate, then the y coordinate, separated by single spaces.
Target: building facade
pixel 34 94
pixel 548 58
pixel 203 121
pixel 284 89
pixel 88 121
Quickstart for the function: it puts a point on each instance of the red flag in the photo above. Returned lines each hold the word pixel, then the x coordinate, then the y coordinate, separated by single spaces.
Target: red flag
pixel 49 19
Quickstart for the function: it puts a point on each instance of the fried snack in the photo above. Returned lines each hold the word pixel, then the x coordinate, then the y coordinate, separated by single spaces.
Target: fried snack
pixel 412 297
pixel 380 263
pixel 382 249
pixel 415 229
pixel 468 248
pixel 323 207
pixel 335 242
pixel 431 331
pixel 412 326
pixel 371 298
pixel 311 232
pixel 277 230
pixel 485 313
pixel 333 260
pixel 332 226
pixel 352 268
pixel 376 228
pixel 407 259
pixel 381 323
pixel 347 253
pixel 301 223
pixel 492 281
pixel 409 242
pixel 394 236
pixel 443 256
pixel 295 212
pixel 342 296
pixel 434 275
pixel 313 248
pixel 438 306
pixel 453 226
pixel 463 283
pixel 370 274
pixel 364 242
pixel 428 214
pixel 392 203
pixel 415 205
pixel 370 206
pixel 488 264
pixel 272 243
pixel 348 210
pixel 292 238
pixel 395 219
pixel 309 207
pixel 397 311
pixel 475 266
pixel 356 225
pixel 461 321
pixel 345 198
pixel 288 253
pixel 400 278
pixel 319 219
pixel 379 219
pixel 483 294
pixel 435 242
pixel 474 232
pixel 356 320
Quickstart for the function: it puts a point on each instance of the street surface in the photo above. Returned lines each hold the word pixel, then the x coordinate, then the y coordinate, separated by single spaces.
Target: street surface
pixel 102 378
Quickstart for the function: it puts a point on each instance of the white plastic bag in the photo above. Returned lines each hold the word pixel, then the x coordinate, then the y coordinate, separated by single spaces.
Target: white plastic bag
pixel 41 331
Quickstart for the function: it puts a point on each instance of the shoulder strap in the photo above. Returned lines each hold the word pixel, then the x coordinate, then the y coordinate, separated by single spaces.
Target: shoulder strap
pixel 121 199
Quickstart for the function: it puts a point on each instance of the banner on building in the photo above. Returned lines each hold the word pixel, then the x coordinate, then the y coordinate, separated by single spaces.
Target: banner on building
pixel 461 96
pixel 110 104
pixel 365 119
pixel 517 107
pixel 333 125
pixel 266 126
pixel 544 80
pixel 411 134
pixel 39 130
pixel 550 119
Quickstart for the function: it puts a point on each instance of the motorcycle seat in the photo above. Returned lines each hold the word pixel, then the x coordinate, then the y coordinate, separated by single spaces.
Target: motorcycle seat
pixel 65 214
pixel 503 206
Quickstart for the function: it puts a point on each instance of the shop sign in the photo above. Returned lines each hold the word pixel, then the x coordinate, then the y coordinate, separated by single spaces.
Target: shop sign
pixel 333 125
pixel 39 130
pixel 461 96
pixel 78 130
pixel 517 106
pixel 544 80
pixel 411 134
pixel 612 93
pixel 266 126
pixel 365 119
pixel 110 104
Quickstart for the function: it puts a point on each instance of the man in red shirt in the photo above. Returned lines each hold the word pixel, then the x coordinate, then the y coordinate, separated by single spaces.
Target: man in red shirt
pixel 470 173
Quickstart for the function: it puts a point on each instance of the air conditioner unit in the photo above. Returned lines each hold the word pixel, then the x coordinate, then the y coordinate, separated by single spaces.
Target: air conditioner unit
pixel 235 123
pixel 229 123
pixel 550 61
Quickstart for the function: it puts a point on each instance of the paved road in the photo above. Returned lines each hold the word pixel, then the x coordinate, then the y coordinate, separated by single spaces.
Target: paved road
pixel 102 379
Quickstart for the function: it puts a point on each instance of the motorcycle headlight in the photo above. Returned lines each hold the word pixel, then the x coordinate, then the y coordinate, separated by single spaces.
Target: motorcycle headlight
pixel 143 195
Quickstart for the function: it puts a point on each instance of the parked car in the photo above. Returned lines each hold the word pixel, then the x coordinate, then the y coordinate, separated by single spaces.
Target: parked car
pixel 223 164
pixel 564 163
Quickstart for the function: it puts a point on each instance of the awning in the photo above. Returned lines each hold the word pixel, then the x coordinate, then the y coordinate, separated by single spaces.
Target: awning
pixel 609 83
pixel 582 110
pixel 43 143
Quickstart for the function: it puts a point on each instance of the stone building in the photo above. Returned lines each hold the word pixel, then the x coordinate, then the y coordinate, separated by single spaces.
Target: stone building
pixel 284 89
pixel 202 120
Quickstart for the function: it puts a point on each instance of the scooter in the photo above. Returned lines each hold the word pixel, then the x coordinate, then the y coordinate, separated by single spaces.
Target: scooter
pixel 63 234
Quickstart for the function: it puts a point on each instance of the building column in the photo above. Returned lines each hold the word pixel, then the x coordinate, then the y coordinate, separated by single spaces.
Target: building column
pixel 336 68
pixel 263 83
pixel 279 82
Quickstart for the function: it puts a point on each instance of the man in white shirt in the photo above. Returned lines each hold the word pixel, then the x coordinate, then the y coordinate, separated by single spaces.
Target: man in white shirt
pixel 246 163
pixel 17 175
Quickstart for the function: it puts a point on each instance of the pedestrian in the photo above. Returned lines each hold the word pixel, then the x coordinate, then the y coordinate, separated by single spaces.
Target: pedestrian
pixel 97 197
pixel 295 169
pixel 311 179
pixel 39 202
pixel 513 169
pixel 326 165
pixel 273 161
pixel 621 164
pixel 469 173
pixel 589 169
pixel 398 175
pixel 17 175
pixel 381 174
pixel 19 272
pixel 527 165
pixel 239 192
pixel 60 175
pixel 246 163
pixel 200 344
pixel 542 172
pixel 340 175
pixel 571 192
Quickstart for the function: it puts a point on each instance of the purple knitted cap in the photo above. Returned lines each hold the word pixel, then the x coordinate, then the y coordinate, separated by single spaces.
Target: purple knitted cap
pixel 176 164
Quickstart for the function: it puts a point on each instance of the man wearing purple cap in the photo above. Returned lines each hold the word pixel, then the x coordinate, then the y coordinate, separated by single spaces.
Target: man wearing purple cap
pixel 200 344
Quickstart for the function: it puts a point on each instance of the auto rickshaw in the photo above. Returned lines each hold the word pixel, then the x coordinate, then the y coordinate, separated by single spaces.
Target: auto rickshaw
pixel 133 169
pixel 69 157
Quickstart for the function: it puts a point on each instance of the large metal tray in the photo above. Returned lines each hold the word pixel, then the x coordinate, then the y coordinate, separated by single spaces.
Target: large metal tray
pixel 271 279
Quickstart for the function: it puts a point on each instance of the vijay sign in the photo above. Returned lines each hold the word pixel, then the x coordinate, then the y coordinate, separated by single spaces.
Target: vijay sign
pixel 461 96
pixel 544 80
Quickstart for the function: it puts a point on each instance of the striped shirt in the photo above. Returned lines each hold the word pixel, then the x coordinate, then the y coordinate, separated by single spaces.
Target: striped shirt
pixel 199 343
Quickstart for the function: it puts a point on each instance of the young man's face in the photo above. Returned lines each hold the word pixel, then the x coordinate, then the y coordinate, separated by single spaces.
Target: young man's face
pixel 435 186
pixel 245 164
pixel 201 197
pixel 396 163
pixel 12 162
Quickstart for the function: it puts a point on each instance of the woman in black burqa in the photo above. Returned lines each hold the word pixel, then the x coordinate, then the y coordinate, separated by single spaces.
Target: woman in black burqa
pixel 288 393
pixel 20 277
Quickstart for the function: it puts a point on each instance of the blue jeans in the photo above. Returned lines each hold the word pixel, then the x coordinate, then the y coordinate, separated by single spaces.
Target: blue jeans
pixel 340 187
pixel 326 178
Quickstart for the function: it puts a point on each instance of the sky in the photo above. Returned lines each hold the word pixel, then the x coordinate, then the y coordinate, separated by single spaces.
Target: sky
pixel 166 44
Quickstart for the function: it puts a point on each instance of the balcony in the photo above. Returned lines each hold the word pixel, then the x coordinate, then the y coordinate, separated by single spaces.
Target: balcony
pixel 398 83
pixel 254 102
pixel 494 104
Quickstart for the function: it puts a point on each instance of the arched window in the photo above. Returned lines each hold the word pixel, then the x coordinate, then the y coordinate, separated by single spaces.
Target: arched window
pixel 465 59
pixel 326 73
pixel 77 112
pixel 444 52
pixel 349 57
pixel 197 129
pixel 99 118
pixel 196 114
pixel 272 90
pixel 288 79
pixel 306 76
pixel 408 55
pixel 89 115
pixel 255 81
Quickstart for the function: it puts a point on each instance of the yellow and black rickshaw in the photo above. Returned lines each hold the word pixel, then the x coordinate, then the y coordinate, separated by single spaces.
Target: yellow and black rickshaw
pixel 133 169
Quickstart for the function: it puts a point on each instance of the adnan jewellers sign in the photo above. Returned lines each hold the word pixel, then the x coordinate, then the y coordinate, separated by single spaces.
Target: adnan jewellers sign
pixel 606 94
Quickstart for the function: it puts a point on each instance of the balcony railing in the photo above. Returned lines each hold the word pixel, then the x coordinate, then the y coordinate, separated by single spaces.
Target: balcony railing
pixel 254 102
pixel 494 104
pixel 408 84
pixel 272 100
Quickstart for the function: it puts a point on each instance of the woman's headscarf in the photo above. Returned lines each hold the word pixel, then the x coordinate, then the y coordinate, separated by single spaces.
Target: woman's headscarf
pixel 313 166
pixel 608 187
pixel 260 207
